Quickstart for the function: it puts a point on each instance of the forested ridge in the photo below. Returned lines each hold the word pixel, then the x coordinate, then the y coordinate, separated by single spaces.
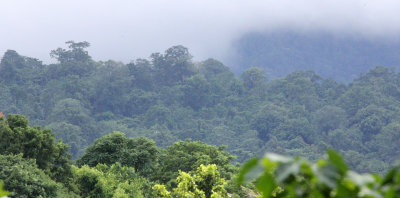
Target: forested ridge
pixel 168 97
pixel 341 57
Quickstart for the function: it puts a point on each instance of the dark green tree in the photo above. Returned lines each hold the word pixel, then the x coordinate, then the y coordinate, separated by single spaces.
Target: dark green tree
pixel 329 118
pixel 72 61
pixel 140 153
pixel 23 177
pixel 253 77
pixel 143 74
pixel 196 92
pixel 268 119
pixel 173 66
pixel 16 137
pixel 76 52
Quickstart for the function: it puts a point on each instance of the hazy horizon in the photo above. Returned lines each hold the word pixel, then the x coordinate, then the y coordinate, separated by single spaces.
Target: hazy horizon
pixel 124 31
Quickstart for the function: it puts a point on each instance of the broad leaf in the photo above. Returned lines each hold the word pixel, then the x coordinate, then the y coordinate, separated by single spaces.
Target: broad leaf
pixel 246 169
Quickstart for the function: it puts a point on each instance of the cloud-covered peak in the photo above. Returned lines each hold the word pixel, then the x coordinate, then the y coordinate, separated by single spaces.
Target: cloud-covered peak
pixel 125 30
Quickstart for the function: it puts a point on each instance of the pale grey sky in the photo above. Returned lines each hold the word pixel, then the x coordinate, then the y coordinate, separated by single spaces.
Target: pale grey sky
pixel 126 30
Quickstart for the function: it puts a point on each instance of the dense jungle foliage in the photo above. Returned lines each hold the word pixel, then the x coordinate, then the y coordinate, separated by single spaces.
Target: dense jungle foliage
pixel 168 97
pixel 33 164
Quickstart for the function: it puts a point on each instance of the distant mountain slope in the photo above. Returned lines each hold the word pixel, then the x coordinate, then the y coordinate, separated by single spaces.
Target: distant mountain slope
pixel 342 58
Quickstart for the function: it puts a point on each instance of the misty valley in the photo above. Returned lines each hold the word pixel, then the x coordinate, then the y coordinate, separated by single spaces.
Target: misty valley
pixel 169 126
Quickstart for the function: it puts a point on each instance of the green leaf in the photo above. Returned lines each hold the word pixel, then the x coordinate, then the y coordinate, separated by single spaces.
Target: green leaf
pixel 389 178
pixel 266 184
pixel 390 193
pixel 316 194
pixel 346 189
pixel 335 159
pixel 360 180
pixel 246 168
pixel 277 158
pixel 366 192
pixel 328 175
pixel 285 171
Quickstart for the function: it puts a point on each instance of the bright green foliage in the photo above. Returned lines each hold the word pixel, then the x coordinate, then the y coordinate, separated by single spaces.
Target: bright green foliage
pixel 161 191
pixel 187 186
pixel 2 191
pixel 140 153
pixel 89 182
pixel 208 180
pixel 278 176
pixel 128 190
pixel 34 143
pixel 204 183
pixel 108 181
pixel 188 155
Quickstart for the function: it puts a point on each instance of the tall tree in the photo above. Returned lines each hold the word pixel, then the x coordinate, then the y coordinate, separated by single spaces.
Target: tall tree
pixel 173 66
pixel 75 60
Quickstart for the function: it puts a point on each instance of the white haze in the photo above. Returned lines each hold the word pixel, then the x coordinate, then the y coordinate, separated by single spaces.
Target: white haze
pixel 126 30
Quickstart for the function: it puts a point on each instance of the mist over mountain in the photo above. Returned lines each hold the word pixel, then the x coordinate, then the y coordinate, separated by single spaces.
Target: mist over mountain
pixel 342 57
pixel 126 30
pixel 167 99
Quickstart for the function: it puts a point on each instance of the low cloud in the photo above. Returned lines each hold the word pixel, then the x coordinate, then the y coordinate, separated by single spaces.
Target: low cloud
pixel 126 30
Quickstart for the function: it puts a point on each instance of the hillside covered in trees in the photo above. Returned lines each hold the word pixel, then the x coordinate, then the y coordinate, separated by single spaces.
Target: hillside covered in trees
pixel 169 97
pixel 338 56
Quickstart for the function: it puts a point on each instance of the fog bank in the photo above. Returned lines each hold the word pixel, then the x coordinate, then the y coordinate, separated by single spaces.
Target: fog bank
pixel 125 30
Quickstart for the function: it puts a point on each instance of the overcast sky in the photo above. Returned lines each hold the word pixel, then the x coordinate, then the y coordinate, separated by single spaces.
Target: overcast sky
pixel 126 30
